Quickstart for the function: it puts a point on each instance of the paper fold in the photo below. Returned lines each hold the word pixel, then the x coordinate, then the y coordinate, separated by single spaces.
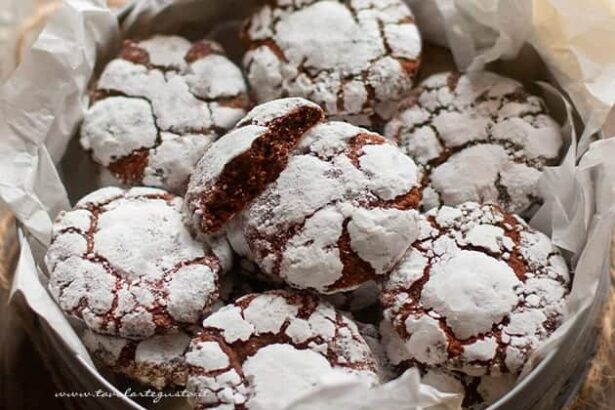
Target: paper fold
pixel 41 105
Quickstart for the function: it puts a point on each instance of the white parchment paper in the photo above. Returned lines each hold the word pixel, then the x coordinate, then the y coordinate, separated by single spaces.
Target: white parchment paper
pixel 43 102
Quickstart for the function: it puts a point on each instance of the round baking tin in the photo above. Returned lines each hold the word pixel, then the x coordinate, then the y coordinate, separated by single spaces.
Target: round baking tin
pixel 553 384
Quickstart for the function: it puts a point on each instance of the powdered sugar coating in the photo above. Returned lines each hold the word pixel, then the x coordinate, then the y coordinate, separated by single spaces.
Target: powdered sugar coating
pixel 479 391
pixel 478 292
pixel 267 349
pixel 478 137
pixel 356 59
pixel 159 106
pixel 340 214
pixel 124 263
pixel 239 165
pixel 157 361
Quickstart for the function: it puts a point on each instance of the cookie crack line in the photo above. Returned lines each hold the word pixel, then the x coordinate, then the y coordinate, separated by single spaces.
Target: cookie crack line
pixel 102 94
pixel 495 114
pixel 100 278
pixel 163 319
pixel 522 296
pixel 372 192
pixel 300 327
pixel 153 147
pixel 357 91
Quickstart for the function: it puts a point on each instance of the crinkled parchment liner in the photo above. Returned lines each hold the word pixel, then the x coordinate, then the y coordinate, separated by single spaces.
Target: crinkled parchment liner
pixel 43 102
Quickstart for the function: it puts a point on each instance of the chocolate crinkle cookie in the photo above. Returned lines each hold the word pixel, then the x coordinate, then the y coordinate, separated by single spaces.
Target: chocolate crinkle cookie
pixel 356 58
pixel 478 292
pixel 478 392
pixel 123 262
pixel 341 213
pixel 158 361
pixel 238 167
pixel 158 106
pixel 266 350
pixel 478 137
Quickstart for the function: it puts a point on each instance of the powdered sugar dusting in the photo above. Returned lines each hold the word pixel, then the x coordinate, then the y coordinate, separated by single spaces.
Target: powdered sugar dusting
pixel 263 114
pixel 158 361
pixel 478 137
pixel 295 341
pixel 301 371
pixel 175 157
pixel 388 182
pixel 341 213
pixel 482 293
pixel 353 59
pixel 117 126
pixel 474 294
pixel 134 270
pixel 231 322
pixel 166 51
pixel 366 225
pixel 157 108
pixel 428 340
pixel 204 79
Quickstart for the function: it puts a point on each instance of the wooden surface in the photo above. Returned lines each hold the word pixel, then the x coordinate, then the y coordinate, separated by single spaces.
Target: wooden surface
pixel 598 392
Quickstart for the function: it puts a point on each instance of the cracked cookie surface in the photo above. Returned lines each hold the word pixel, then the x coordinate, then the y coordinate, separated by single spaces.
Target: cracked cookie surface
pixel 266 350
pixel 240 165
pixel 356 58
pixel 158 361
pixel 478 292
pixel 342 212
pixel 478 137
pixel 123 262
pixel 479 392
pixel 158 106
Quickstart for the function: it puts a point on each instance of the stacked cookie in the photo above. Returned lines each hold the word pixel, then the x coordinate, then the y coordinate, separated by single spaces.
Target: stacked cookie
pixel 251 255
